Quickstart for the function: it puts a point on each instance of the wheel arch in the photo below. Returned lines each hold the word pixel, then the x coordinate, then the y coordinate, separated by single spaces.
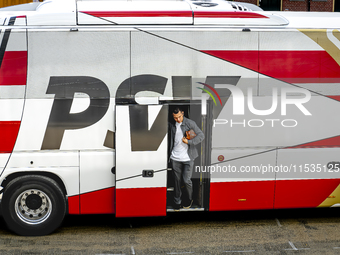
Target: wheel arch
pixel 50 175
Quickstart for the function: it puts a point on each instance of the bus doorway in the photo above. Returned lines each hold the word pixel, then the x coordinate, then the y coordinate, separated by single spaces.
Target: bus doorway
pixel 200 180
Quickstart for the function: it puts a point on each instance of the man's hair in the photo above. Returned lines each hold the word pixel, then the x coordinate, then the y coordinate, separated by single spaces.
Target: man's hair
pixel 177 110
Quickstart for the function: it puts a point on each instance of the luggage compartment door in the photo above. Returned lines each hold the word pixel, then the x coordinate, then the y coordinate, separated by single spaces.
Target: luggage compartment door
pixel 141 160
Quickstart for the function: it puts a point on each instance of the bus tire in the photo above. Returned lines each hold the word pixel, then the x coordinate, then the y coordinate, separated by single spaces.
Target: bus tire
pixel 33 205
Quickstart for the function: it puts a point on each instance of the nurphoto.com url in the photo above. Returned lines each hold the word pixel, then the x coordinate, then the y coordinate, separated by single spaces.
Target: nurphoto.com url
pixel 267 168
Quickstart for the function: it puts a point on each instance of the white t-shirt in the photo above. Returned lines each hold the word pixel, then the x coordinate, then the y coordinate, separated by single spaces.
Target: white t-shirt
pixel 180 149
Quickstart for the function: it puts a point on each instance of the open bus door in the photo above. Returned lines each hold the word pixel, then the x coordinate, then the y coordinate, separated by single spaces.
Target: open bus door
pixel 141 160
pixel 200 180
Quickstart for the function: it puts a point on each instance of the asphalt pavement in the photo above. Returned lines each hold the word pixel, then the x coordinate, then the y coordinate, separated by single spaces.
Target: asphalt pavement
pixel 294 231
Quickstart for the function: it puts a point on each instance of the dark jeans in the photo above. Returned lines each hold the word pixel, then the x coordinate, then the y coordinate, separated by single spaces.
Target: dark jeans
pixel 182 169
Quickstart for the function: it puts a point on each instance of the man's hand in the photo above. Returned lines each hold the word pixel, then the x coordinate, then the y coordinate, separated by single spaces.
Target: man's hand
pixel 184 140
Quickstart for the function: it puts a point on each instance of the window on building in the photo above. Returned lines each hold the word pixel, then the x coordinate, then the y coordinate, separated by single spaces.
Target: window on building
pixel 270 5
pixel 337 6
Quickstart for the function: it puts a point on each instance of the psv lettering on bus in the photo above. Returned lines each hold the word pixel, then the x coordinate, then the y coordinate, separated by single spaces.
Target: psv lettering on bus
pixel 65 87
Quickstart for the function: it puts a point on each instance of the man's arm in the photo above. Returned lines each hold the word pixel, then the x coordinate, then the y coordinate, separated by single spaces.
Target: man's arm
pixel 199 134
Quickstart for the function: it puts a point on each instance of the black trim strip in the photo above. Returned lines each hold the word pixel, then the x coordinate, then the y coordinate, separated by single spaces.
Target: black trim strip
pixel 140 175
pixel 11 21
pixel 5 39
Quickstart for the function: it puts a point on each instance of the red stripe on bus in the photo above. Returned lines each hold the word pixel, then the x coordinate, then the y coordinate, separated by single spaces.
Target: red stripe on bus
pixel 337 98
pixel 289 66
pixel 253 195
pixel 244 195
pixel 8 135
pixel 98 202
pixel 232 14
pixel 303 193
pixel 13 69
pixel 141 202
pixel 140 14
pixel 330 142
pixel 73 205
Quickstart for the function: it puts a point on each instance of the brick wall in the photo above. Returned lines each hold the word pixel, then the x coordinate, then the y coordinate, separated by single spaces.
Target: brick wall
pixel 315 6
pixel 321 6
pixel 288 5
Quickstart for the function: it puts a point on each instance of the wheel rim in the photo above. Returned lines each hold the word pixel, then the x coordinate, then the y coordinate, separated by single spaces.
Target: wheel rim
pixel 33 206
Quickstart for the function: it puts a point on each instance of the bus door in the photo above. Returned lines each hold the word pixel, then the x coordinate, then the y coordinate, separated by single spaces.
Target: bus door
pixel 200 180
pixel 141 160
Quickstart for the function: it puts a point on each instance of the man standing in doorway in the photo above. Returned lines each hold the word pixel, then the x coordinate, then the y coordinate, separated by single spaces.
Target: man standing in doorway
pixel 183 153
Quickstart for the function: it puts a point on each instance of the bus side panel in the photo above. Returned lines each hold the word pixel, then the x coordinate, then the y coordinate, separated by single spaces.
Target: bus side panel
pixel 98 202
pixel 308 79
pixel 239 182
pixel 63 164
pixel 13 72
pixel 304 193
pixel 183 53
pixel 97 182
pixel 141 202
pixel 241 195
pixel 310 180
pixel 311 62
pixel 287 125
pixel 73 204
pixel 141 148
pixel 55 64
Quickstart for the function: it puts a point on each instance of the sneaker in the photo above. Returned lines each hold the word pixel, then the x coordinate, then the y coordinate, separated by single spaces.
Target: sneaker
pixel 188 206
pixel 177 207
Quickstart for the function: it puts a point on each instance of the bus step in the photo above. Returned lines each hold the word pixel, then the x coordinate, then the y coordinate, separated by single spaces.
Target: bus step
pixel 193 209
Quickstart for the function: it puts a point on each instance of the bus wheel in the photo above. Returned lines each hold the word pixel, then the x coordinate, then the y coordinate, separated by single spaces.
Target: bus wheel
pixel 33 205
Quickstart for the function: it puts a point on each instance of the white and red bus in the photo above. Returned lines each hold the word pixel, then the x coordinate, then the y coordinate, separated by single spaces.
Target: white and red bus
pixel 86 94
